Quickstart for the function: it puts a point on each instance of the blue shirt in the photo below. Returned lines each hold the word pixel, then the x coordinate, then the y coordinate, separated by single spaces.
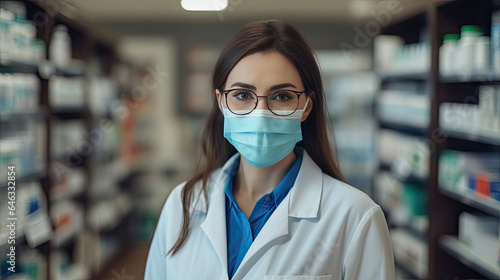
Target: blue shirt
pixel 241 231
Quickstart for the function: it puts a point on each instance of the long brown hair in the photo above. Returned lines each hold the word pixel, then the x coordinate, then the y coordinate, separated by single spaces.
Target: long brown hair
pixel 262 36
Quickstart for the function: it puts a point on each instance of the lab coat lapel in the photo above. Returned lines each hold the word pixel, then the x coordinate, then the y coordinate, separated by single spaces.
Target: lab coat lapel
pixel 302 201
pixel 214 224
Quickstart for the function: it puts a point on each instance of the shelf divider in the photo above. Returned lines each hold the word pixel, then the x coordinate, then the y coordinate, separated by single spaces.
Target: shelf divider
pixel 35 175
pixel 489 76
pixel 490 139
pixel 402 75
pixel 486 204
pixel 461 252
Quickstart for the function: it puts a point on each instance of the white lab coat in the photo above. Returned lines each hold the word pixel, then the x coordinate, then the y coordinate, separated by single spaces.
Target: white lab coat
pixel 323 229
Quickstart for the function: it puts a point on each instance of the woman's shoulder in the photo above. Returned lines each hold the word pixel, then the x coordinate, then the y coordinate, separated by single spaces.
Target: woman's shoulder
pixel 174 200
pixel 345 197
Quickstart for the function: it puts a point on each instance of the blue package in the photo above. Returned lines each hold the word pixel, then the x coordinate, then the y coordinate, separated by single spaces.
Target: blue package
pixel 472 181
pixel 495 190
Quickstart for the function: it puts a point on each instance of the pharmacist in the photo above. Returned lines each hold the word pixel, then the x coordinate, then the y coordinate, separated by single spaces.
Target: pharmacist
pixel 271 202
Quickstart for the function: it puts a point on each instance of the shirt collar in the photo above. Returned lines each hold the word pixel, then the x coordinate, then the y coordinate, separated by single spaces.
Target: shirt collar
pixel 233 170
pixel 278 193
pixel 287 183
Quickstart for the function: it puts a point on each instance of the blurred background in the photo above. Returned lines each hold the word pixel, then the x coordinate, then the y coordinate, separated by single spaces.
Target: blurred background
pixel 102 104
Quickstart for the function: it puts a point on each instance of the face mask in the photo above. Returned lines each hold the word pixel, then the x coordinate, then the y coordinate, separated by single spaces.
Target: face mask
pixel 261 137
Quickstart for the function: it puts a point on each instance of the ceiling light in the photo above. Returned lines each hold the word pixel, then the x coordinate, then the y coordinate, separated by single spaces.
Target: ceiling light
pixel 204 5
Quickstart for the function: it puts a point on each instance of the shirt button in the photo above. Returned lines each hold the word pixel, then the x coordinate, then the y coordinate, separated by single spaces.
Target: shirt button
pixel 267 198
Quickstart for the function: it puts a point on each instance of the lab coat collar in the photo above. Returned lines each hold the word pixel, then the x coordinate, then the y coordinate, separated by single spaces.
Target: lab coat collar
pixel 305 195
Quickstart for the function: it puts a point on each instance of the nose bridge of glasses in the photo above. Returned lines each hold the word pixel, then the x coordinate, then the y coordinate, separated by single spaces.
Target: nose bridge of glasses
pixel 263 103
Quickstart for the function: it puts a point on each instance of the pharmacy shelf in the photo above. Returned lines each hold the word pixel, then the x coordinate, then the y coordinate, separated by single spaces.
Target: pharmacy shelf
pixel 403 75
pixel 27 114
pixel 70 112
pixel 487 77
pixel 89 43
pixel 18 66
pixel 403 127
pixel 71 70
pixel 461 252
pixel 417 231
pixel 483 203
pixel 407 271
pixel 76 196
pixel 412 179
pixel 44 68
pixel 33 176
pixel 492 138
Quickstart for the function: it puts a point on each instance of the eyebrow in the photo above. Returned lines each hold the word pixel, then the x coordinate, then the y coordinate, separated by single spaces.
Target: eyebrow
pixel 251 87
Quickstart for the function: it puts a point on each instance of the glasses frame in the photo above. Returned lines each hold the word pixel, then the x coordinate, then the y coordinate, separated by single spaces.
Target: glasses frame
pixel 225 92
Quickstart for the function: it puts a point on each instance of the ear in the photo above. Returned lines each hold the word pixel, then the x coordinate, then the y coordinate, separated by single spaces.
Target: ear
pixel 309 107
pixel 219 99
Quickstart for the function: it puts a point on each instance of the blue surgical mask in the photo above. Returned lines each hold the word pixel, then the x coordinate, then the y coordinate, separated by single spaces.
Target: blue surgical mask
pixel 261 137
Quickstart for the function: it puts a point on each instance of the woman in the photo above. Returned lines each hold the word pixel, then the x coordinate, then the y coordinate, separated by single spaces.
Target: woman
pixel 271 202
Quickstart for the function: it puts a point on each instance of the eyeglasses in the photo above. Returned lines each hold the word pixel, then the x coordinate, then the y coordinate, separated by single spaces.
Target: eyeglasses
pixel 244 101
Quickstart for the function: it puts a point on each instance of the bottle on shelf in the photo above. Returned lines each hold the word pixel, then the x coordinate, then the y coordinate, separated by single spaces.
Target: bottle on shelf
pixel 447 54
pixel 18 35
pixel 468 38
pixel 60 46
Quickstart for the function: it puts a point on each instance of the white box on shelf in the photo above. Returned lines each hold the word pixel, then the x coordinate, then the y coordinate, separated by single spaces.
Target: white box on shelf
pixel 481 233
pixel 67 92
pixel 410 252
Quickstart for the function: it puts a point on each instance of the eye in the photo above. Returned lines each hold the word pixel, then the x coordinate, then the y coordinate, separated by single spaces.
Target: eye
pixel 282 96
pixel 242 95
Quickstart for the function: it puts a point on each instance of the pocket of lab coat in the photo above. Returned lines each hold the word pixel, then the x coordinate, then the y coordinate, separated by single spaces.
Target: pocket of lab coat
pixel 296 277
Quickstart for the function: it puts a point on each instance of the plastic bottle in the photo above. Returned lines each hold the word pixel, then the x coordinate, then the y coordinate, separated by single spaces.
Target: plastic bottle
pixel 481 59
pixel 469 38
pixel 447 54
pixel 60 46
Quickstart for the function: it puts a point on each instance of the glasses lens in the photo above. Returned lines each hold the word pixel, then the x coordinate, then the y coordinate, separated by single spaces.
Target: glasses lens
pixel 241 101
pixel 283 102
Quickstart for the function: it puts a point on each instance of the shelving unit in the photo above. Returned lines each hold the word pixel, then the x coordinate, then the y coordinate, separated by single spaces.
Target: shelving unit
pixel 406 221
pixel 446 205
pixel 448 257
pixel 350 91
pixel 94 55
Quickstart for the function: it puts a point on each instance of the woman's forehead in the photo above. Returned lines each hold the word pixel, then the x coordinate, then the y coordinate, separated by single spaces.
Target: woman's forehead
pixel 263 70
